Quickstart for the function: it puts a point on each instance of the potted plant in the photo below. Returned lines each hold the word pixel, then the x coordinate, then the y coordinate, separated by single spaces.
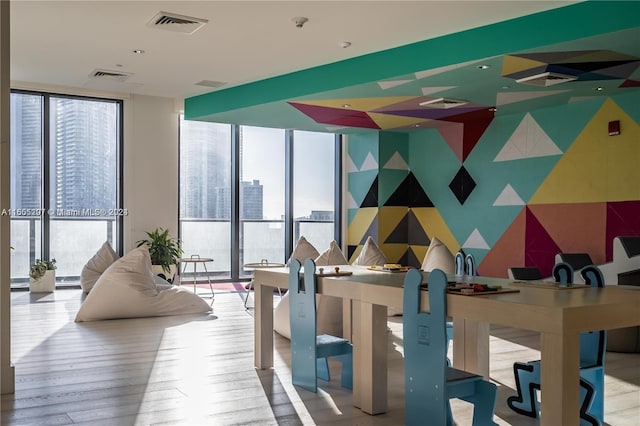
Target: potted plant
pixel 42 276
pixel 164 251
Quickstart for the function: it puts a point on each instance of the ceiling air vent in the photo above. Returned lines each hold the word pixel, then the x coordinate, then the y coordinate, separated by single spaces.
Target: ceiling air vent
pixel 546 79
pixel 443 103
pixel 210 83
pixel 109 75
pixel 178 23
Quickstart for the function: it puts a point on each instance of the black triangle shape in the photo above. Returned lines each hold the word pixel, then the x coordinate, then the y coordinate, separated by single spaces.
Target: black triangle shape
pixel 350 251
pixel 412 259
pixel 371 199
pixel 415 232
pixel 409 193
pixel 400 233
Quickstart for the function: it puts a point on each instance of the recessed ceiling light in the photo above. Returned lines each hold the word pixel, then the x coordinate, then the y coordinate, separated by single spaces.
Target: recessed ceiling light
pixel 346 106
pixel 138 51
pixel 484 67
pixel 345 44
pixel 599 89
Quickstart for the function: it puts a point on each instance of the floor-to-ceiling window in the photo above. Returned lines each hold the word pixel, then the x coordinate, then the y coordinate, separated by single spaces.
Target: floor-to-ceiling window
pixel 269 186
pixel 65 181
pixel 262 194
pixel 314 187
pixel 205 192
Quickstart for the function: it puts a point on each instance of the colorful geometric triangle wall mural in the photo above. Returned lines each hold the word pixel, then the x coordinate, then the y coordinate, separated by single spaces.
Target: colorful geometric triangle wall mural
pixel 541 185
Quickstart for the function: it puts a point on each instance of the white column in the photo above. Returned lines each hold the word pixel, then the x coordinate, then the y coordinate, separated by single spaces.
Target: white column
pixel 7 377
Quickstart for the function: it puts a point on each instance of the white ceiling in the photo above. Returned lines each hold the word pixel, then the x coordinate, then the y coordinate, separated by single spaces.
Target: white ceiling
pixel 59 43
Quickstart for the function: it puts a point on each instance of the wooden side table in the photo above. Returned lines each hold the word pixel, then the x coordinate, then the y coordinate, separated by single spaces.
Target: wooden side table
pixel 195 260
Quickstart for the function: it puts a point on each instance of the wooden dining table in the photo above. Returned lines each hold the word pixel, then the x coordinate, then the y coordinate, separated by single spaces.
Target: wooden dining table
pixel 558 314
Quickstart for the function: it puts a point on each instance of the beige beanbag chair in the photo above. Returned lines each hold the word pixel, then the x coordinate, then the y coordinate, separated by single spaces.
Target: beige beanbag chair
pixel 370 254
pixel 328 308
pixel 99 263
pixel 438 257
pixel 127 289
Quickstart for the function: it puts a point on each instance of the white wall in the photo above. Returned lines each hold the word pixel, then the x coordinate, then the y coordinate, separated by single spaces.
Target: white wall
pixel 150 167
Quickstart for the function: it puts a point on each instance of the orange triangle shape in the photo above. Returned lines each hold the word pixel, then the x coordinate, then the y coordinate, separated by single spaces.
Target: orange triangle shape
pixel 575 228
pixel 507 251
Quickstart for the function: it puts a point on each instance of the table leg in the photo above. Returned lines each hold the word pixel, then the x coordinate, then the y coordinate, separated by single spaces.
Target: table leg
pixel 369 357
pixel 346 319
pixel 559 379
pixel 471 346
pixel 204 265
pixel 194 277
pixel 263 326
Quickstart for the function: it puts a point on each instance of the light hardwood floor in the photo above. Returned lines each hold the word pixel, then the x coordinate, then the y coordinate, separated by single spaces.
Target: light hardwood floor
pixel 198 370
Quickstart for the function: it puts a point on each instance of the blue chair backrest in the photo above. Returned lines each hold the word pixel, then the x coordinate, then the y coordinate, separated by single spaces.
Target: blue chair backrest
pixel 592 344
pixel 470 265
pixel 459 258
pixel 425 342
pixel 302 317
pixel 563 273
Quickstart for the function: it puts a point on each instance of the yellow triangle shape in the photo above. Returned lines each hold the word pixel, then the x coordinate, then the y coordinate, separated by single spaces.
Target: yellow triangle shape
pixel 387 121
pixel 419 251
pixel 358 104
pixel 360 224
pixel 390 217
pixel 435 226
pixel 514 64
pixel 597 167
pixel 393 252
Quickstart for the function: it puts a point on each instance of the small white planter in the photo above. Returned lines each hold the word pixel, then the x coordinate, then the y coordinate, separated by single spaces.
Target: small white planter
pixel 44 284
pixel 169 276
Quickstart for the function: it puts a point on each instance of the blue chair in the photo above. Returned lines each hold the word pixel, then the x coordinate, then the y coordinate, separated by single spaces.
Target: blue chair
pixel 429 381
pixel 592 350
pixel 310 352
pixel 470 265
pixel 459 260
pixel 563 273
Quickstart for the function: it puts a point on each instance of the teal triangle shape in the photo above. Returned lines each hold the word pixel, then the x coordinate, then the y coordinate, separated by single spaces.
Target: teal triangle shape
pixel 630 104
pixel 361 145
pixel 359 184
pixel 575 116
